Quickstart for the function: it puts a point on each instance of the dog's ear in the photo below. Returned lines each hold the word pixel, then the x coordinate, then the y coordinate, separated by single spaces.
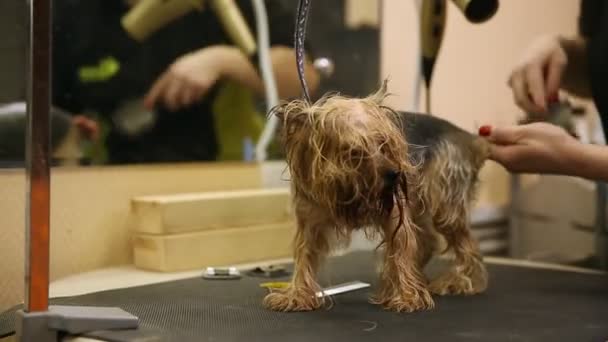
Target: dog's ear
pixel 278 111
pixel 381 94
pixel 291 116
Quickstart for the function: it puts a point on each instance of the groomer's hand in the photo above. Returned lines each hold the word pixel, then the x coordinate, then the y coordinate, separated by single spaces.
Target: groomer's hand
pixel 533 148
pixel 187 80
pixel 537 76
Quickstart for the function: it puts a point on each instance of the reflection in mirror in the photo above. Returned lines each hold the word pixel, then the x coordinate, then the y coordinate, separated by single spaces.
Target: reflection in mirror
pixel 150 81
pixel 65 134
pixel 344 36
pixel 13 50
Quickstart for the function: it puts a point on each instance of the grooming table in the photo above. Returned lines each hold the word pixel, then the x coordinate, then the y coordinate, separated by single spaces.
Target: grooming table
pixel 524 302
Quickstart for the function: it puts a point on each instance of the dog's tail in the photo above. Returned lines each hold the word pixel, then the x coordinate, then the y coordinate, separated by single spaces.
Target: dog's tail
pixel 471 149
pixel 481 150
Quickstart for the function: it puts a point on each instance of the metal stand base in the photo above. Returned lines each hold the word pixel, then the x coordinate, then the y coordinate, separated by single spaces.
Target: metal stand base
pixel 46 326
pixel 514 212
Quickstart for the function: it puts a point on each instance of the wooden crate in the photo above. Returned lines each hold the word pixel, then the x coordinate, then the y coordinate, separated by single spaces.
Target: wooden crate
pixel 198 250
pixel 191 231
pixel 180 213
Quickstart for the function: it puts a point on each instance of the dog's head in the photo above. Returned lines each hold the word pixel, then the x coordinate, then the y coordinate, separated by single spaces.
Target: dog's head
pixel 347 155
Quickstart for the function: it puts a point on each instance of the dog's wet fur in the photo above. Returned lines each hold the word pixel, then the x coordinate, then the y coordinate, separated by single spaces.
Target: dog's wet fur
pixel 409 178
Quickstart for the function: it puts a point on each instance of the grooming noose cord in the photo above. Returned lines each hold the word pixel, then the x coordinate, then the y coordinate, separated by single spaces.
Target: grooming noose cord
pixel 299 40
pixel 300 37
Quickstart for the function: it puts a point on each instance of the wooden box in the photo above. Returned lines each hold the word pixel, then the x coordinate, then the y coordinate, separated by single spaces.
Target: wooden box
pixel 180 213
pixel 189 251
pixel 193 231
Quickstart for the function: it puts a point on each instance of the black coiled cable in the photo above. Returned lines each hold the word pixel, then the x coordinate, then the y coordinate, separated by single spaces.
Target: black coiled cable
pixel 300 38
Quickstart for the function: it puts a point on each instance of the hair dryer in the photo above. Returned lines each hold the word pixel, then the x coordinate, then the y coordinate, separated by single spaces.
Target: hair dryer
pixel 432 24
pixel 477 11
pixel 432 27
pixel 149 16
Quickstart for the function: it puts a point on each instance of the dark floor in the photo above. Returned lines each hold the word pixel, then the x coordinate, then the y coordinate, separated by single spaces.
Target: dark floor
pixel 521 304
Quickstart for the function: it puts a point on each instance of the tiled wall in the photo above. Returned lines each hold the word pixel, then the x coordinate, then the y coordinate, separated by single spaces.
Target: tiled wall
pixel 13 45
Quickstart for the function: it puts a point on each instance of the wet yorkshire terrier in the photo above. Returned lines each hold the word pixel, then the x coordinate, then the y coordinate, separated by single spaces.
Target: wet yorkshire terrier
pixel 357 164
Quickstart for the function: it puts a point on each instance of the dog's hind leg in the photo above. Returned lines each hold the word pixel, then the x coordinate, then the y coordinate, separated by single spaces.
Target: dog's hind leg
pixel 450 185
pixel 468 274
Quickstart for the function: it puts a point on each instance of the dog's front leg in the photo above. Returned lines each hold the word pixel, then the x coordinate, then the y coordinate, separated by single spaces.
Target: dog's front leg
pixel 311 246
pixel 403 285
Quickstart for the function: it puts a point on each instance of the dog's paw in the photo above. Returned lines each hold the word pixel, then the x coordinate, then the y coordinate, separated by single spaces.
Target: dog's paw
pixel 292 300
pixel 454 283
pixel 407 301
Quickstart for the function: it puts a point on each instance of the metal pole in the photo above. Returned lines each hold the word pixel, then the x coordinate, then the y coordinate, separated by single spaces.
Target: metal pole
pixel 39 322
pixel 37 158
pixel 601 236
pixel 514 214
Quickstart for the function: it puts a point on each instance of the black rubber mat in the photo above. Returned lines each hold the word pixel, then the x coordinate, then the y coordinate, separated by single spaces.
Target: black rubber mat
pixel 521 304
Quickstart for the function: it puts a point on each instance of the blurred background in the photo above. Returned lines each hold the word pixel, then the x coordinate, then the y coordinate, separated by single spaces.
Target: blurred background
pixel 167 113
pixel 102 76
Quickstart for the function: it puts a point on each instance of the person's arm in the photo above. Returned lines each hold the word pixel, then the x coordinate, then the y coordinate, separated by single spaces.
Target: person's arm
pixel 238 68
pixel 193 75
pixel 590 161
pixel 546 149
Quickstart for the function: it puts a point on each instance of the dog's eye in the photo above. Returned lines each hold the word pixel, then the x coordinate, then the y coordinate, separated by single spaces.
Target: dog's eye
pixel 355 154
pixel 391 176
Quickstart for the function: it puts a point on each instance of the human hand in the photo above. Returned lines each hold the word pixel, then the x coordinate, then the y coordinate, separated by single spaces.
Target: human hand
pixel 89 128
pixel 538 74
pixel 537 147
pixel 187 80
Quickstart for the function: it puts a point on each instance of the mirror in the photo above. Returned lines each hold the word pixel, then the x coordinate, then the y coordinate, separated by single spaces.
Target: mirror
pixel 13 52
pixel 177 92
